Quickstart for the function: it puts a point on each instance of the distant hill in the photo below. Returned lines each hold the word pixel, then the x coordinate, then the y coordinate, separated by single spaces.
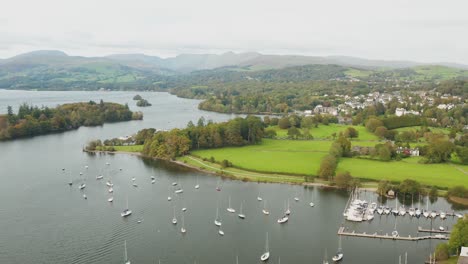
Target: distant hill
pixel 56 70
pixel 51 69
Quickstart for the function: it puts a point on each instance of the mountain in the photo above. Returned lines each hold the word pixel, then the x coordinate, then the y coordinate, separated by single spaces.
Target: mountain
pixel 253 61
pixel 57 70
pixel 52 69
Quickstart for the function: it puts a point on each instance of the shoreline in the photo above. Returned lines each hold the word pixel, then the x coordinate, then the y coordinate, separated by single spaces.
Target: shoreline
pixel 268 178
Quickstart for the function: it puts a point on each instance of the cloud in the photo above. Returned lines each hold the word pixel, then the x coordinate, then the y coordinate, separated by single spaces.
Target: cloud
pixel 421 30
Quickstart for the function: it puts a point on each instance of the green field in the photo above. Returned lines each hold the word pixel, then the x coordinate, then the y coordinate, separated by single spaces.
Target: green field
pixel 442 175
pixel 438 130
pixel 325 132
pixel 133 148
pixel 303 157
pixel 282 156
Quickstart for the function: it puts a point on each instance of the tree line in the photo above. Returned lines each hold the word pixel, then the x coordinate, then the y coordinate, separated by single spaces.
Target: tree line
pixel 33 120
pixel 203 135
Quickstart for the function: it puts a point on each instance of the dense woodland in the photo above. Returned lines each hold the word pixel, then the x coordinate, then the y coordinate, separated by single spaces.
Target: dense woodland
pixel 33 120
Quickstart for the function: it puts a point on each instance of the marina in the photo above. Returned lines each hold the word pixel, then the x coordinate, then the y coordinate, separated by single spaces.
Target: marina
pixel 343 232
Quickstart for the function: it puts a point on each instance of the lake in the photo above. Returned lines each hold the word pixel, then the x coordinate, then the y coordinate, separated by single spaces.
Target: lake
pixel 43 220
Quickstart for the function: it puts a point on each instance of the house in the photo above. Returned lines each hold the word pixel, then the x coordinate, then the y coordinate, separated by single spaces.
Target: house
pixel 400 111
pixel 463 259
pixel 320 109
pixel 308 112
pixel 391 194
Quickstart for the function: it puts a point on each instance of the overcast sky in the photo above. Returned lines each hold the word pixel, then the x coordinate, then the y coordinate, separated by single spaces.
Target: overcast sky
pixel 419 30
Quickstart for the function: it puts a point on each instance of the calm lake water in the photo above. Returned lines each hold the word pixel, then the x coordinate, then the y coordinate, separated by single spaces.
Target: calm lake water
pixel 43 220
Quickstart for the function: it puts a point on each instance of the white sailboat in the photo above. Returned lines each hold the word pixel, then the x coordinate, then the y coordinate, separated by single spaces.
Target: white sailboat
pixel 325 258
pixel 426 212
pixel 296 198
pixel 110 190
pixel 395 232
pixel 126 212
pixel 111 199
pixel 230 209
pixel 288 211
pixel 174 219
pixel 283 219
pixel 339 254
pixel 217 221
pixel 241 215
pixel 182 229
pixel 84 196
pixel 125 255
pixel 220 232
pixel 259 198
pixel 266 255
pixel 265 211
pixel 197 186
pixel 82 186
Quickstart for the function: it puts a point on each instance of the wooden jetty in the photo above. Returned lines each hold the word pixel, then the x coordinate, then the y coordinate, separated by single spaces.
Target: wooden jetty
pixel 420 229
pixel 343 232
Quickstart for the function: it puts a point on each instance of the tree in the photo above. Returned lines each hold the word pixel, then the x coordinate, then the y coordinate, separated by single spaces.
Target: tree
pixel 373 123
pixel 442 251
pixel 137 97
pixel 351 132
pixel 11 116
pixel 409 187
pixel 327 167
pixel 343 180
pixel 462 154
pixel 381 131
pixel 459 235
pixel 439 150
pixel 294 132
pixel 383 187
pixel 283 123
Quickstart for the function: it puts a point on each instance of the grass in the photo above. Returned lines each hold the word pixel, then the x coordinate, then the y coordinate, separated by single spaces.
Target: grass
pixel 325 132
pixel 132 148
pixel 281 156
pixel 451 260
pixel 437 130
pixel 441 175
pixel 238 173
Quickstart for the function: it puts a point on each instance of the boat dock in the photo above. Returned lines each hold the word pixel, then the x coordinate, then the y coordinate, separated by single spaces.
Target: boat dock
pixel 420 229
pixel 342 232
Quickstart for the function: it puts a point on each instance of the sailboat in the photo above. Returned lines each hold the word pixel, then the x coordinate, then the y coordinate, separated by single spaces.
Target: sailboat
pixel 426 212
pixel 126 212
pixel 220 232
pixel 84 196
pixel 241 215
pixel 230 209
pixel 259 198
pixel 339 254
pixel 411 211
pixel 325 258
pixel 197 186
pixel 70 182
pixel 296 198
pixel 217 221
pixel 125 255
pixel 174 219
pixel 111 199
pixel 218 187
pixel 266 255
pixel 288 211
pixel 265 211
pixel 283 219
pixel 169 198
pixel 395 232
pixel 182 229
pixel 179 189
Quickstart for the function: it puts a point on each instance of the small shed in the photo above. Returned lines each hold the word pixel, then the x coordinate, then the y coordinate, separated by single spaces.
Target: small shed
pixel 391 193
